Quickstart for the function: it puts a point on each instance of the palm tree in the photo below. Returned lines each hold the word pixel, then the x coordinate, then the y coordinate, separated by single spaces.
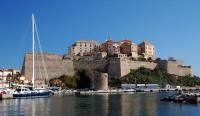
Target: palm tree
pixel 1 74
pixel 56 82
pixel 17 77
pixel 9 78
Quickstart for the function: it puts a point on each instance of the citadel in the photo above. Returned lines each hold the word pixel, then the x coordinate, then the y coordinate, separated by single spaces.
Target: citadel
pixel 116 58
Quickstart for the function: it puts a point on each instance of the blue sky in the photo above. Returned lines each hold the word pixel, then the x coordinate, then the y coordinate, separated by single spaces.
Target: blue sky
pixel 172 25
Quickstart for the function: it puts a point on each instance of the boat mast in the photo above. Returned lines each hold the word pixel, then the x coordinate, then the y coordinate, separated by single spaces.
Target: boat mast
pixel 33 48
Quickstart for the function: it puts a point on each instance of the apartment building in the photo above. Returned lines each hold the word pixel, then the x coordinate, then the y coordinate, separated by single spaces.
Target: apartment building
pixel 116 47
pixel 89 47
pixel 147 49
pixel 82 47
pixel 129 48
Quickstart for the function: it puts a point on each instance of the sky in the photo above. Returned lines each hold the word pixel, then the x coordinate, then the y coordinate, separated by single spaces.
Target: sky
pixel 173 26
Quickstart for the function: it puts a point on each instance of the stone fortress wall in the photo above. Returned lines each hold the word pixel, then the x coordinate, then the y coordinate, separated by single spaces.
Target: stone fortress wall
pixel 116 67
pixel 89 65
pixel 55 66
pixel 121 66
pixel 135 65
pixel 100 81
pixel 175 67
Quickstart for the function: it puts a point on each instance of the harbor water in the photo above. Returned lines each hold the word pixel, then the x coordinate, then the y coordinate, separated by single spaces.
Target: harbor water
pixel 136 104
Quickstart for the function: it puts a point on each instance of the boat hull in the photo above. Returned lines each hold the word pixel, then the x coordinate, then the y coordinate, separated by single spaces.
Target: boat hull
pixel 31 95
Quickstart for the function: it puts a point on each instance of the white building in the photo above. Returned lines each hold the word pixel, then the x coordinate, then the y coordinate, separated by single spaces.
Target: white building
pixel 82 46
pixel 147 49
pixel 4 74
pixel 134 50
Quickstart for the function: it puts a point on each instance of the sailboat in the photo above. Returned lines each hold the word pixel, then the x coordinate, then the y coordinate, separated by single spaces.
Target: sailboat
pixel 32 91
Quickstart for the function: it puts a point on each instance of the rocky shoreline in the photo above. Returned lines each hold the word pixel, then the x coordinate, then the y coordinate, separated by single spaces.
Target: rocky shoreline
pixel 180 97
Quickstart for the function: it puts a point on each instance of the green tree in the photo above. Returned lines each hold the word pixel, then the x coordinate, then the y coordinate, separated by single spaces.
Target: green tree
pixel 142 59
pixel 9 79
pixel 159 76
pixel 56 82
pixel 83 81
pixel 114 82
pixel 150 59
pixel 68 81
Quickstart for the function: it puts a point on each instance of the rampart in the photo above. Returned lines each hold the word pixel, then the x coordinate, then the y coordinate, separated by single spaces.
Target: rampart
pixel 121 66
pixel 55 66
pixel 89 65
pixel 175 67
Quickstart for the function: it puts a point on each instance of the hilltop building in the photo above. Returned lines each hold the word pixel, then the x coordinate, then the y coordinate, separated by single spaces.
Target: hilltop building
pixel 129 48
pixel 115 58
pixel 147 49
pixel 82 47
pixel 120 47
pixel 112 48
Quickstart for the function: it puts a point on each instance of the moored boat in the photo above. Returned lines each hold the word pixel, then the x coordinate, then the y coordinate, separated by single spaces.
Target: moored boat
pixel 31 90
pixel 26 92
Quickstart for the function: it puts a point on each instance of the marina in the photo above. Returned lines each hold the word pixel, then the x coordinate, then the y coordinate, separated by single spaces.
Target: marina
pixel 58 92
pixel 99 105
pixel 99 58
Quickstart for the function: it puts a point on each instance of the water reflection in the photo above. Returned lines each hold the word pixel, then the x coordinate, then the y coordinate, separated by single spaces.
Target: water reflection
pixel 139 104
pixel 97 105
pixel 91 105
